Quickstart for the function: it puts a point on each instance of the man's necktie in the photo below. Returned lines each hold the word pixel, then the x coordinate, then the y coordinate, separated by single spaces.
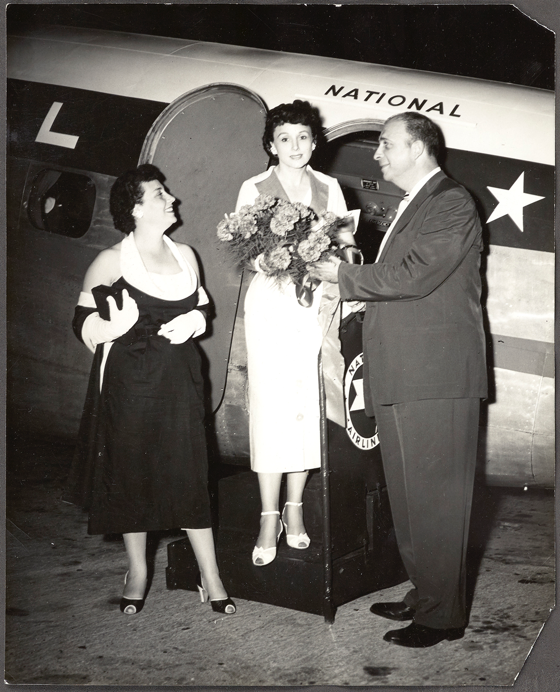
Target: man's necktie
pixel 402 206
pixel 400 209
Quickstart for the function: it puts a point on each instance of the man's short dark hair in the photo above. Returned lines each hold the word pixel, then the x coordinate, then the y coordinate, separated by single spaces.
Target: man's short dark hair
pixel 420 127
pixel 127 192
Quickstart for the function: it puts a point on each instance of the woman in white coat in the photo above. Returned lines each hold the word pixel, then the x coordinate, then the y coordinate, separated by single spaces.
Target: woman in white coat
pixel 284 338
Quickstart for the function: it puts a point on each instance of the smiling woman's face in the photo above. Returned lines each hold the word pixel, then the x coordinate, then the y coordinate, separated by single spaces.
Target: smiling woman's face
pixel 157 205
pixel 293 144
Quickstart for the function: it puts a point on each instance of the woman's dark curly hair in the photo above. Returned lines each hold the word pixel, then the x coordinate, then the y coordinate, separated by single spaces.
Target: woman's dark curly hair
pixel 127 192
pixel 296 113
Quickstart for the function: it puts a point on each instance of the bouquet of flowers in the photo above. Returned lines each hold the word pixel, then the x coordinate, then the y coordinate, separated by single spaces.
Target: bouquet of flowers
pixel 285 236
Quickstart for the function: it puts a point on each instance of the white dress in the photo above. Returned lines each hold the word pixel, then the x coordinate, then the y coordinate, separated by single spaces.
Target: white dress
pixel 283 343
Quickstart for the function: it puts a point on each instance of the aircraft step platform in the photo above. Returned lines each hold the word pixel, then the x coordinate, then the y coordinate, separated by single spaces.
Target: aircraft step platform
pixel 363 556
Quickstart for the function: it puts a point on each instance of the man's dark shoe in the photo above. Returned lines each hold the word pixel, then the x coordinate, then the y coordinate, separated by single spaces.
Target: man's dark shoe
pixel 393 611
pixel 420 637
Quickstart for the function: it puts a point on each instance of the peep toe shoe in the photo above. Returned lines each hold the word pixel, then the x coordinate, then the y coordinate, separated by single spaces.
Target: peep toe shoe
pixel 219 605
pixel 264 556
pixel 301 541
pixel 131 606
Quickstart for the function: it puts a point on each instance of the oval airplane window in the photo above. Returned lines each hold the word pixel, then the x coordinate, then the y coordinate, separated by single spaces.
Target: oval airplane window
pixel 207 142
pixel 62 203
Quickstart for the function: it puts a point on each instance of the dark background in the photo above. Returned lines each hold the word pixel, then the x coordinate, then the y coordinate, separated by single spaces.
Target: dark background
pixel 485 41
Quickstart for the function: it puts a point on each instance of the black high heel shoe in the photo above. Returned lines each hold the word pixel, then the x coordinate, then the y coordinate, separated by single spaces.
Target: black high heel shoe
pixel 131 606
pixel 219 605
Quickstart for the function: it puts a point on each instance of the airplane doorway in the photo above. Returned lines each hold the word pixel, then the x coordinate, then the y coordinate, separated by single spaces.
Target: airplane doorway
pixel 349 158
pixel 207 142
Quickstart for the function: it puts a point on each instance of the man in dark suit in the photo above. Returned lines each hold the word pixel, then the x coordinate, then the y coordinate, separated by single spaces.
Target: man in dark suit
pixel 424 373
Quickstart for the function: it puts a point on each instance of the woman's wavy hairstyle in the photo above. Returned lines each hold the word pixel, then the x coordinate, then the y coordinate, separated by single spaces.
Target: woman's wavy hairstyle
pixel 296 113
pixel 127 192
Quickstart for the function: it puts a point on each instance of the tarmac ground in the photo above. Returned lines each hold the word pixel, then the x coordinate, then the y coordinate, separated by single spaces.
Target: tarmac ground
pixel 64 627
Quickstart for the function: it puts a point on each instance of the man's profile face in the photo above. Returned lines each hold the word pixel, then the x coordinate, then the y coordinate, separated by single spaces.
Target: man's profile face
pixel 394 153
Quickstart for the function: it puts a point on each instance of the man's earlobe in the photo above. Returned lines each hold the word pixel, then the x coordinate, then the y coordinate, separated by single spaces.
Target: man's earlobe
pixel 418 148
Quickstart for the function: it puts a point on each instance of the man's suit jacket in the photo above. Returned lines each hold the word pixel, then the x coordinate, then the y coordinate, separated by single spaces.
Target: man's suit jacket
pixel 423 331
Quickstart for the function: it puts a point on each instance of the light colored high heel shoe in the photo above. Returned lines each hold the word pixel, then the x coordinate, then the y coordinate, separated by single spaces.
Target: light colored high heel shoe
pixel 265 556
pixel 219 605
pixel 300 542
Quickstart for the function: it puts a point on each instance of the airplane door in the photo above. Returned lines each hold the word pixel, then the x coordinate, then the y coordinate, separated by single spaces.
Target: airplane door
pixel 207 142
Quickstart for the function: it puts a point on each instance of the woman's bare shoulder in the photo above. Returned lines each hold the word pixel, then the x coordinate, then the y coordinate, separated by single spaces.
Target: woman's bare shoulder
pixel 188 254
pixel 109 258
pixel 105 268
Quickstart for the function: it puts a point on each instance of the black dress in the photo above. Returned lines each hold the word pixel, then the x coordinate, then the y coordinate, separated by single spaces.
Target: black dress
pixel 141 460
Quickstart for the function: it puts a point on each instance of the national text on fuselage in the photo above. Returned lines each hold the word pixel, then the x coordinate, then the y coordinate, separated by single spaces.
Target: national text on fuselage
pixel 395 100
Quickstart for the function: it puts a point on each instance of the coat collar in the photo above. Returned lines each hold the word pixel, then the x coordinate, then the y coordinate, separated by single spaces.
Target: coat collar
pixel 319 190
pixel 421 196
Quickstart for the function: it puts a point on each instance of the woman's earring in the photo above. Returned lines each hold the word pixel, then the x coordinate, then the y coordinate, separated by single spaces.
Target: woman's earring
pixel 137 213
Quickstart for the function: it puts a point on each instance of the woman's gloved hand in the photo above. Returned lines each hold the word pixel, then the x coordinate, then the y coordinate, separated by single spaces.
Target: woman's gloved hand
pixel 120 321
pixel 184 327
pixel 96 330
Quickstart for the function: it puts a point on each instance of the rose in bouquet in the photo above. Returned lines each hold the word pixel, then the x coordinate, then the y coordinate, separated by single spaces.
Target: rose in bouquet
pixel 285 237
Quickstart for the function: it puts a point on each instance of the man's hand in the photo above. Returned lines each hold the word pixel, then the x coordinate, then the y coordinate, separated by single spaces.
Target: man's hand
pixel 326 271
pixel 355 305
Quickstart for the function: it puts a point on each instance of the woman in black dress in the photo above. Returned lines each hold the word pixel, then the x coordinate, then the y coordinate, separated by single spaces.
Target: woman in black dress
pixel 141 462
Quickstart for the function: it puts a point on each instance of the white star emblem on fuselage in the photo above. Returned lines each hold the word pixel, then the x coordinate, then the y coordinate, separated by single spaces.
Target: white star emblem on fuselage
pixel 511 202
